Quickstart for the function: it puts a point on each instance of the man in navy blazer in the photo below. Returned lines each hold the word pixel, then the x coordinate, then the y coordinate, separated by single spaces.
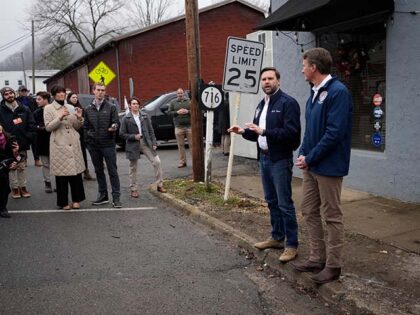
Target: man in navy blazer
pixel 276 130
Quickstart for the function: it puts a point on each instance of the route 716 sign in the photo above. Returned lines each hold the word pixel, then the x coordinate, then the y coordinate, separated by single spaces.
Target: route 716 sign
pixel 242 65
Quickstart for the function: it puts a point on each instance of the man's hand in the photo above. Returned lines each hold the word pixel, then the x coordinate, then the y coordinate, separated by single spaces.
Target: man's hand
pixel 182 111
pixel 255 128
pixel 113 128
pixel 154 147
pixel 301 163
pixel 15 149
pixel 236 129
pixel 137 136
pixel 13 166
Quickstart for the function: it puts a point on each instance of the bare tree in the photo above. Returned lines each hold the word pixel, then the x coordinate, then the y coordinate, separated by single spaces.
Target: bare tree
pixel 86 23
pixel 55 54
pixel 148 12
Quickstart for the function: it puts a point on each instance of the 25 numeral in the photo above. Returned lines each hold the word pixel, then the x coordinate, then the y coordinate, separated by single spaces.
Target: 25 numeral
pixel 248 75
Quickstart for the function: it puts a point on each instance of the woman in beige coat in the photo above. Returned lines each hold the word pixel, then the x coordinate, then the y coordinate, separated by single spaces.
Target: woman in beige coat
pixel 66 159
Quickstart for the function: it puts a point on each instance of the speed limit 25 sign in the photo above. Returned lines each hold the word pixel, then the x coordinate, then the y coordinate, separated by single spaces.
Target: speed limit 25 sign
pixel 242 65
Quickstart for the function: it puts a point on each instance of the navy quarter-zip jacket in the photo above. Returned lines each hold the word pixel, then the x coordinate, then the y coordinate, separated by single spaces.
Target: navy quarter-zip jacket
pixel 282 126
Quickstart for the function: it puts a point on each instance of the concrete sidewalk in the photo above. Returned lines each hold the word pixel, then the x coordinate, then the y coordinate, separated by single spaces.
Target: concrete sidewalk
pixel 390 221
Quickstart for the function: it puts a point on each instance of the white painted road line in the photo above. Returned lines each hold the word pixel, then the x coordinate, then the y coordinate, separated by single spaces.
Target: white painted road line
pixel 82 210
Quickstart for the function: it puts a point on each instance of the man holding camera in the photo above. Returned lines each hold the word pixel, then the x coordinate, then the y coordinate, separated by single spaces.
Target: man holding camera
pixel 101 123
pixel 18 121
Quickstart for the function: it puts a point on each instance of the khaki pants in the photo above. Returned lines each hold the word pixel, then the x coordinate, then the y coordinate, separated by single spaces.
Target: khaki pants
pixel 321 201
pixel 17 177
pixel 45 167
pixel 226 143
pixel 155 160
pixel 181 133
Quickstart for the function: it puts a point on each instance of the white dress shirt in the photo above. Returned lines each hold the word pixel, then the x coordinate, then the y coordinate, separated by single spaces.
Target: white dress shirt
pixel 317 88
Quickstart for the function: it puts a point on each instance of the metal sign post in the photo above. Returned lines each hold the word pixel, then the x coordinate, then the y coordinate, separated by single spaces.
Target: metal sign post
pixel 211 98
pixel 242 72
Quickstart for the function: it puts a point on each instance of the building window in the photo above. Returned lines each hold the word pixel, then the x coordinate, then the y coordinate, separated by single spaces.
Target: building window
pixel 6 82
pixel 19 82
pixel 261 38
pixel 359 61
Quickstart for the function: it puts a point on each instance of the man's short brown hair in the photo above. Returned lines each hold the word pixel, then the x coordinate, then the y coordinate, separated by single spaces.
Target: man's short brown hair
pixel 319 57
pixel 98 84
pixel 271 69
pixel 44 95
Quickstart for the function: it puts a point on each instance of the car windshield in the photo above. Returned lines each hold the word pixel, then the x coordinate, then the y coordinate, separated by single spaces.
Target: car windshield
pixel 156 102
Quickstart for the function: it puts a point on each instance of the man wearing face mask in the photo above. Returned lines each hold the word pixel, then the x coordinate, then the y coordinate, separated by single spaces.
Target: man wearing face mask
pixel 18 121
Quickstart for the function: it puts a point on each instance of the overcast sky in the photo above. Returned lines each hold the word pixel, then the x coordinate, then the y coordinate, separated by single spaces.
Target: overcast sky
pixel 13 18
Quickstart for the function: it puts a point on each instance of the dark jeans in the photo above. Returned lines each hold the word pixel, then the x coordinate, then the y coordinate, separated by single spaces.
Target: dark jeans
pixel 98 155
pixel 277 183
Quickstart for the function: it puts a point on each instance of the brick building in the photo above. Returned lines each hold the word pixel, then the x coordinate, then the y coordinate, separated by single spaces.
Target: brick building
pixel 155 57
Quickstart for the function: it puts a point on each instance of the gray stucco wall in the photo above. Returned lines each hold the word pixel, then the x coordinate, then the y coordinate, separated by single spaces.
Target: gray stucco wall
pixel 394 173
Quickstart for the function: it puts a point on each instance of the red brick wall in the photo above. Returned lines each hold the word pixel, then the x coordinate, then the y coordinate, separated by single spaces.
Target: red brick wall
pixel 157 59
pixel 70 81
pixel 109 58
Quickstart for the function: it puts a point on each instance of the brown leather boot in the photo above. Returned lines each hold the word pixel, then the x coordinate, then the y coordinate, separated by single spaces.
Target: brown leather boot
pixel 327 275
pixel 24 192
pixel 308 266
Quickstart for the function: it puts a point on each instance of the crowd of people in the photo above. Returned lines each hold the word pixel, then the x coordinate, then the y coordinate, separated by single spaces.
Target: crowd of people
pixel 61 130
pixel 61 133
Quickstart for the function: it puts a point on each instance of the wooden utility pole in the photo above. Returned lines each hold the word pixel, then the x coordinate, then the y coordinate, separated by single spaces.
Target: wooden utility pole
pixel 193 53
pixel 33 58
pixel 23 68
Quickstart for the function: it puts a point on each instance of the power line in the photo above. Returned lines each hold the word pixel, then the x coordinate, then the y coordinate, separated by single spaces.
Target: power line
pixel 14 43
pixel 15 40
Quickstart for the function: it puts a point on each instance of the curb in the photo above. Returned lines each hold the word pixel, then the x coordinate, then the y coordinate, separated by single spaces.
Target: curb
pixel 333 293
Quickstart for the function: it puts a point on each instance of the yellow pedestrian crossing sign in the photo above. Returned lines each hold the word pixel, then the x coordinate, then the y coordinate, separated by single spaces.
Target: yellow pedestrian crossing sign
pixel 102 73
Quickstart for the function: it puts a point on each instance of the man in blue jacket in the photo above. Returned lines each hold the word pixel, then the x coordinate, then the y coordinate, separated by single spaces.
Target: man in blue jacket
pixel 276 129
pixel 324 158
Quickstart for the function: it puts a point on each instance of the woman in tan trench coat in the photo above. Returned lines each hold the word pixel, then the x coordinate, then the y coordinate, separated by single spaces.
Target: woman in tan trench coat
pixel 66 159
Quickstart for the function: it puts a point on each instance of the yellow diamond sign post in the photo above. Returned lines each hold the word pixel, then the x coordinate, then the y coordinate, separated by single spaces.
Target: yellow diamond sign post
pixel 102 73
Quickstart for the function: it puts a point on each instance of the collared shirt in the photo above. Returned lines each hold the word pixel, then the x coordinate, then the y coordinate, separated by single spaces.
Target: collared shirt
pixel 262 141
pixel 317 88
pixel 97 103
pixel 137 120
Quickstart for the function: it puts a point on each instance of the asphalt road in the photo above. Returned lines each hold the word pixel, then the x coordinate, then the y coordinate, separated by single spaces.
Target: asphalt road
pixel 145 258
